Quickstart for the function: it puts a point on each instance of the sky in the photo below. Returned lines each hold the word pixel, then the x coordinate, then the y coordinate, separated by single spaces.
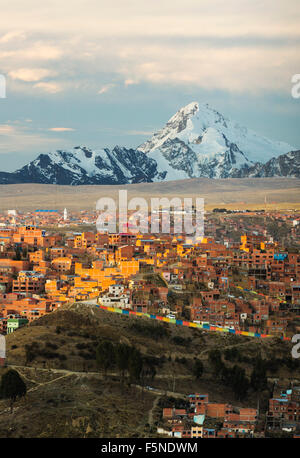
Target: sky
pixel 99 73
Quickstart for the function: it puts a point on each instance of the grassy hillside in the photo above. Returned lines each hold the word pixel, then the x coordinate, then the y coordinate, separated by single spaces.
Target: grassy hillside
pixel 68 396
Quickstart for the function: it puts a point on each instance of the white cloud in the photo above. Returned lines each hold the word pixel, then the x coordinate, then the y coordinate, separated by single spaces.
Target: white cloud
pixel 30 74
pixel 50 88
pixel 236 45
pixel 142 18
pixel 106 88
pixel 42 51
pixel 129 82
pixel 7 37
pixel 6 129
pixel 61 129
pixel 18 137
pixel 231 68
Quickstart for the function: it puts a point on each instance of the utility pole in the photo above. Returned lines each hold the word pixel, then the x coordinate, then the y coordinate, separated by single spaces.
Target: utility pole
pixel 265 216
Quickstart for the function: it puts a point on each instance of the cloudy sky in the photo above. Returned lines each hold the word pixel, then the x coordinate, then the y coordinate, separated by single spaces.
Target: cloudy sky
pixel 102 73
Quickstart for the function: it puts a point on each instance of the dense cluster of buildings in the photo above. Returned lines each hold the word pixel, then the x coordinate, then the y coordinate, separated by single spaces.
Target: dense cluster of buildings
pixel 284 411
pixel 239 276
pixel 205 419
pixel 248 283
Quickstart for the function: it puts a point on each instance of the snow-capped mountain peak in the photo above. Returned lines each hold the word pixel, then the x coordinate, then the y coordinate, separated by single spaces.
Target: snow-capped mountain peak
pixel 197 141
pixel 217 145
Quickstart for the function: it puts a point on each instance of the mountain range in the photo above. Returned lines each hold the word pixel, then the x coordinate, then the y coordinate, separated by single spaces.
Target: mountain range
pixel 197 141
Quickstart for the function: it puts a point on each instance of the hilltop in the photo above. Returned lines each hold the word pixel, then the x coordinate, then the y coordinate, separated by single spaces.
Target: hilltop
pixel 69 397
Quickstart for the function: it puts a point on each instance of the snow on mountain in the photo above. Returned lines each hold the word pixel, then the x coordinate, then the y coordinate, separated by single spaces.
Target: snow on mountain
pixel 82 165
pixel 286 165
pixel 200 141
pixel 197 141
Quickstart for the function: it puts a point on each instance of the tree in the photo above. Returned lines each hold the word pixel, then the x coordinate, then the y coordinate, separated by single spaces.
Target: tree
pixel 215 358
pixel 135 364
pixel 240 383
pixel 198 369
pixel 148 370
pixel 259 381
pixel 235 377
pixel 122 355
pixel 231 354
pixel 105 355
pixel 12 387
pixel 31 351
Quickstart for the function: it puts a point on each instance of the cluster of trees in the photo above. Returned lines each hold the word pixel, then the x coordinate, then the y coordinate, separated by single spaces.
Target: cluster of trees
pixel 127 359
pixel 12 387
pixel 235 376
pixel 170 402
pixel 183 341
pixel 259 381
pixel 33 350
pixel 220 210
pixel 152 330
pixel 198 369
pixel 235 355
pixel 272 364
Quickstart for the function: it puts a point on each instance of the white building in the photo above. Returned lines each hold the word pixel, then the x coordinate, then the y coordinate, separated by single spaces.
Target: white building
pixel 117 297
pixel 2 350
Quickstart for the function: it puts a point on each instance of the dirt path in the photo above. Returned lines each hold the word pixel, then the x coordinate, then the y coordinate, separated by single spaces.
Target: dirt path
pixel 227 346
pixel 48 383
pixel 67 373
pixel 150 415
pixel 85 374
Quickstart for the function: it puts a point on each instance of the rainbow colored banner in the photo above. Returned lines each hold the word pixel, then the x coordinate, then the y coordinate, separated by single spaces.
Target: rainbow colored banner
pixel 255 292
pixel 191 324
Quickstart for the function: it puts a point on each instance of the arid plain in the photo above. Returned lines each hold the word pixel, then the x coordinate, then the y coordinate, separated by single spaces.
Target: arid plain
pixel 234 193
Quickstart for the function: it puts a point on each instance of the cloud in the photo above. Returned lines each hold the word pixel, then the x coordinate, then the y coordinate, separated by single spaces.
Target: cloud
pixel 139 132
pixel 230 68
pixel 18 137
pixel 106 88
pixel 141 18
pixel 61 129
pixel 7 37
pixel 210 44
pixel 129 82
pixel 30 74
pixel 6 129
pixel 35 51
pixel 41 51
pixel 50 88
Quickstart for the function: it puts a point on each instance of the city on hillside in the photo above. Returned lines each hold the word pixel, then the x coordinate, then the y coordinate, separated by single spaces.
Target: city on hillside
pixel 242 278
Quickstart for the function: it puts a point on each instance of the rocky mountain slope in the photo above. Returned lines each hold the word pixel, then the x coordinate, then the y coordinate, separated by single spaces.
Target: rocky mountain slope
pixel 286 165
pixel 81 165
pixel 197 141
